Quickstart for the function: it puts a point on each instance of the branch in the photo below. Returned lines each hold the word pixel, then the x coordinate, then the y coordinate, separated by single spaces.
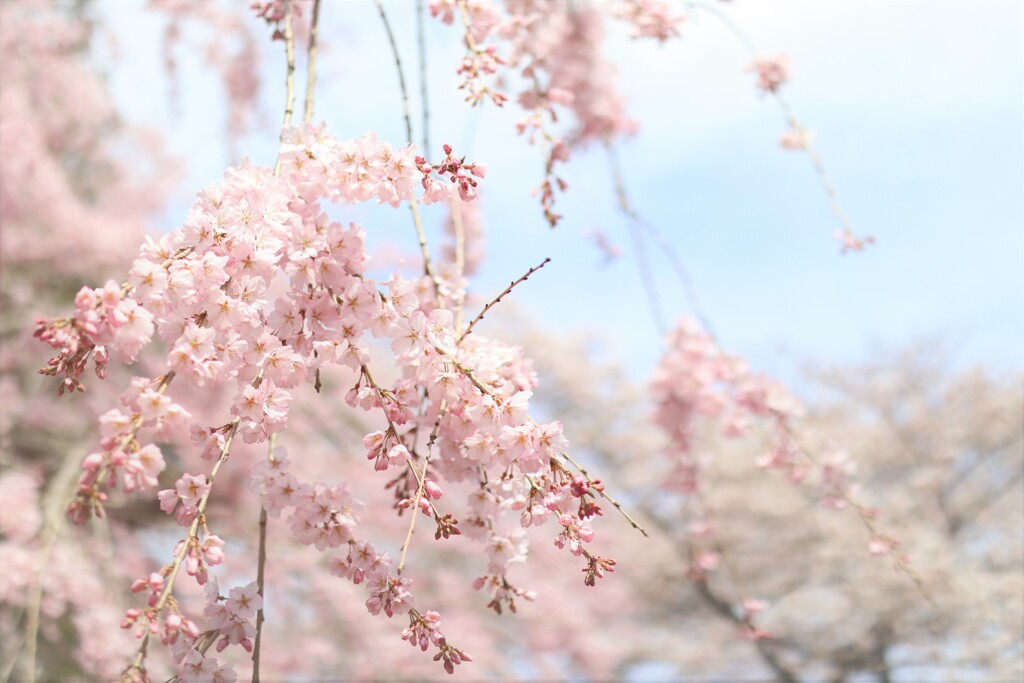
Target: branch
pixel 607 497
pixel 460 257
pixel 421 41
pixel 398 65
pixel 260 565
pixel 289 80
pixel 791 120
pixel 428 269
pixel 421 485
pixel 682 273
pixel 311 58
pixel 508 289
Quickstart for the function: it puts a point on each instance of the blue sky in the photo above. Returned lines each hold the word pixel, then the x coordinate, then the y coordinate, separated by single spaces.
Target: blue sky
pixel 918 109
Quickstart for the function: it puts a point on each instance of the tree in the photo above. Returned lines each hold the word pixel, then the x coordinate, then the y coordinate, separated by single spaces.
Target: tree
pixel 273 420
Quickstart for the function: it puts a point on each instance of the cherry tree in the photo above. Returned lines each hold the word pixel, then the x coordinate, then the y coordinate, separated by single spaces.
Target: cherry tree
pixel 277 453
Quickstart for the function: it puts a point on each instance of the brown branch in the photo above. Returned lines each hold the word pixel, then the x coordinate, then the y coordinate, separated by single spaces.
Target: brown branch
pixel 626 207
pixel 480 316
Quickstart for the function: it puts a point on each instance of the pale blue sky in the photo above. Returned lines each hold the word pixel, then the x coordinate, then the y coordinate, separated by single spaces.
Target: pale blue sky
pixel 919 113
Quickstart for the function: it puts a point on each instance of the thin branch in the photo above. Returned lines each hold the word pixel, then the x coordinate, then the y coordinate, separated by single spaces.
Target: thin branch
pixel 867 519
pixel 311 66
pixel 54 522
pixel 260 568
pixel 420 487
pixel 421 41
pixel 682 273
pixel 460 257
pixel 511 286
pixel 643 264
pixel 398 65
pixel 428 268
pixel 289 80
pixel 791 120
pixel 607 497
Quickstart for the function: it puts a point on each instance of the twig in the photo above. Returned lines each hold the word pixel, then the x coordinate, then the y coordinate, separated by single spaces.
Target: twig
pixel 643 264
pixel 480 316
pixel 428 268
pixel 460 257
pixel 421 41
pixel 420 487
pixel 289 80
pixel 311 66
pixel 398 65
pixel 867 519
pixel 607 497
pixel 787 112
pixel 260 567
pixel 682 273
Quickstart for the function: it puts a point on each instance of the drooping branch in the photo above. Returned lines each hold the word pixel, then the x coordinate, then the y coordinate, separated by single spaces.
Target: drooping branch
pixel 401 72
pixel 421 42
pixel 635 219
pixel 311 55
pixel 261 562
pixel 289 79
pixel 421 237
pixel 847 233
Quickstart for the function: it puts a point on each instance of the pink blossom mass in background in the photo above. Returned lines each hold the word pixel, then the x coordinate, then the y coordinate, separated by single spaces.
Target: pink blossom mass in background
pixel 348 340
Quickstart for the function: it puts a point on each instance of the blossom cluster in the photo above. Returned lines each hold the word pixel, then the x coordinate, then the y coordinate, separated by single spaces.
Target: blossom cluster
pixel 555 47
pixel 256 293
pixel 695 384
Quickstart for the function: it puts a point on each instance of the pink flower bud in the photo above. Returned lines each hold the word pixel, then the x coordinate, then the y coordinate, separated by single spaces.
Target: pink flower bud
pixel 433 490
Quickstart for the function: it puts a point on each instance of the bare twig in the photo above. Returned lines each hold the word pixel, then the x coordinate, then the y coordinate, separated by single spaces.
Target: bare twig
pixel 511 286
pixel 428 268
pixel 643 264
pixel 289 80
pixel 260 571
pixel 311 66
pixel 682 273
pixel 421 41
pixel 398 65
pixel 460 257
